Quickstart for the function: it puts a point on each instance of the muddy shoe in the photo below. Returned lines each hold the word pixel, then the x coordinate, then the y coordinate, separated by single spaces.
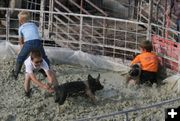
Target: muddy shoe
pixel 28 93
pixel 14 75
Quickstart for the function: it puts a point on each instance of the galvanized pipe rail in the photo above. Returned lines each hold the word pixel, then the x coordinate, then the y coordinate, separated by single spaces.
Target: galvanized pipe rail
pixel 126 112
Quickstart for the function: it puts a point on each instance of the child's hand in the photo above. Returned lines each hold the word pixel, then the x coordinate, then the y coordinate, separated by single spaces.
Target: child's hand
pixel 48 88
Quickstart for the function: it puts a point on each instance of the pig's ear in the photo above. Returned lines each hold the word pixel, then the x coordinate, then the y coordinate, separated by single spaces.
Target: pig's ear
pixel 98 77
pixel 90 77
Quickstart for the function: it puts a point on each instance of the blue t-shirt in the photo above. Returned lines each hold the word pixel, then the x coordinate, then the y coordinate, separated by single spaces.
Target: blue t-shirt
pixel 28 31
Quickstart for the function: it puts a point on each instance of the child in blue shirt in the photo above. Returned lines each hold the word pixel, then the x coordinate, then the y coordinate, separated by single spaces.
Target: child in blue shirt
pixel 28 39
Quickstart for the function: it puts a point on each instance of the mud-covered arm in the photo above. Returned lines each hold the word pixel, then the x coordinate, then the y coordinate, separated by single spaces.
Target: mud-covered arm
pixel 51 77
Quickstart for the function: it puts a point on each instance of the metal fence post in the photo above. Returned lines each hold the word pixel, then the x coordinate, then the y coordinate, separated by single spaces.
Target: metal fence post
pixel 131 8
pixel 7 23
pixel 51 5
pixel 41 18
pixel 80 33
pixel 149 21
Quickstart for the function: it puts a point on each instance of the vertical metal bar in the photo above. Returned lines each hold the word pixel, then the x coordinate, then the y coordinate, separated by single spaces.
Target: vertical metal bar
pixel 41 18
pixel 81 6
pixel 35 5
pixel 68 30
pixel 51 5
pixel 7 23
pixel 157 13
pixel 164 19
pixel 104 33
pixel 129 2
pixel 131 8
pixel 92 25
pixel 56 30
pixel 136 37
pixel 80 34
pixel 138 10
pixel 125 46
pixel 27 5
pixel 114 38
pixel 30 4
pixel 149 20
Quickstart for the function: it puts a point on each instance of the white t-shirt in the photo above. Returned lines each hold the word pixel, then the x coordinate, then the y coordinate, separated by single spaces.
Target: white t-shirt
pixel 30 68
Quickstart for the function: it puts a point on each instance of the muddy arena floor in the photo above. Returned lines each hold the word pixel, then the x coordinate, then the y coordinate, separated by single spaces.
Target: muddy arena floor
pixel 115 96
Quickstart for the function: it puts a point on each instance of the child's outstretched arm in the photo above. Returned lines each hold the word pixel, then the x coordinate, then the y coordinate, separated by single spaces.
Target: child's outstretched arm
pixel 39 83
pixel 52 77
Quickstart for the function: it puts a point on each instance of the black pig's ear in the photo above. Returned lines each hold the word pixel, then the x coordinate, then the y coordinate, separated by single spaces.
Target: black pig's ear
pixel 90 77
pixel 98 77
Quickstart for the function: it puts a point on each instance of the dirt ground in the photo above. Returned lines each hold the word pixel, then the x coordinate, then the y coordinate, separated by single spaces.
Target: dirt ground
pixel 114 97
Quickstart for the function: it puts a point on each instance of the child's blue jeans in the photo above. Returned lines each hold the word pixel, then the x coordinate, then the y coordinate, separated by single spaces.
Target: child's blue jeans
pixel 26 49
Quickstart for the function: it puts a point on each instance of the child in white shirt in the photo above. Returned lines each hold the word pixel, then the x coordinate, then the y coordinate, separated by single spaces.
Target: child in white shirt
pixel 33 63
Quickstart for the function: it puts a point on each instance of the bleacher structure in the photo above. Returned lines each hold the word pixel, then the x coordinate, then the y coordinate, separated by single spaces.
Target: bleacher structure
pixel 75 25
